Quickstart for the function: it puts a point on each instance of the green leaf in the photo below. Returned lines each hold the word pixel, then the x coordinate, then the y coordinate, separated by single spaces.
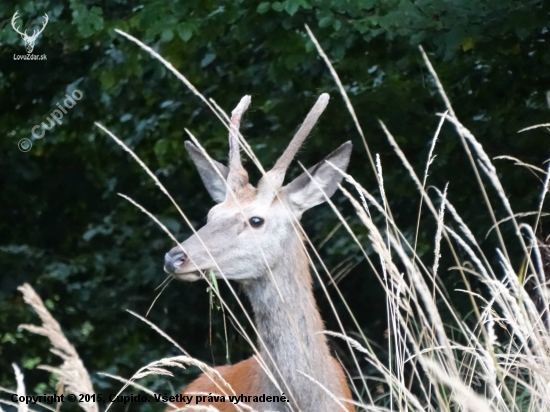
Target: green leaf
pixel 87 22
pixel 277 6
pixel 263 7
pixel 86 329
pixel 325 21
pixel 125 117
pixel 292 6
pixel 209 58
pixel 162 147
pixel 417 38
pixel 57 10
pixel 28 7
pixel 167 35
pixel 30 363
pixel 185 31
pixel 468 43
pixel 107 79
pixel 214 281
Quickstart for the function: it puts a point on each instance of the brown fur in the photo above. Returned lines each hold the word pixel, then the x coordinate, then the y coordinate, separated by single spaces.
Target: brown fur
pixel 244 378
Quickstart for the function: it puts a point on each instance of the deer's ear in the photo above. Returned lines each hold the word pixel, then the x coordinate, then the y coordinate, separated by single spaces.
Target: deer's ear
pixel 302 193
pixel 214 183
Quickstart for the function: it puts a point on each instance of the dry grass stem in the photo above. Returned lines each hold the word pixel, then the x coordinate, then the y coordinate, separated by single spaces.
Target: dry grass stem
pixel 71 374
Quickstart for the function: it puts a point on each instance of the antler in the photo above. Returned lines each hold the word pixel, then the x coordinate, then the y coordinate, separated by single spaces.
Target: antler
pixel 13 19
pixel 273 179
pixel 238 177
pixel 236 115
pixel 36 32
pixel 286 158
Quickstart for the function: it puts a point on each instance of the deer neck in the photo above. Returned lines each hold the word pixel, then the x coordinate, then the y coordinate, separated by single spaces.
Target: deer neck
pixel 288 322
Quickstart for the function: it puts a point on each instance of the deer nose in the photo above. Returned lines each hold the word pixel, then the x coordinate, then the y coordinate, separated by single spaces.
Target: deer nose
pixel 173 260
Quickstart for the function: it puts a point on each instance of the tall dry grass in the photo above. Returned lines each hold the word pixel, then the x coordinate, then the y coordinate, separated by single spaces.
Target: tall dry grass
pixel 496 360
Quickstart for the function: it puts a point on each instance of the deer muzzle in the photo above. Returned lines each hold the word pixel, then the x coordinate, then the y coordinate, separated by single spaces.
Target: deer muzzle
pixel 173 260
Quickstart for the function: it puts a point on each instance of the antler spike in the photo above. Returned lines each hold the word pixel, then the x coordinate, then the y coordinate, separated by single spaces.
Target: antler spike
pixel 273 179
pixel 236 116
pixel 318 108
pixel 238 177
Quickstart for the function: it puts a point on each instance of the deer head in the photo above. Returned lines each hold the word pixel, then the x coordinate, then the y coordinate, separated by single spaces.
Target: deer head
pixel 29 40
pixel 250 229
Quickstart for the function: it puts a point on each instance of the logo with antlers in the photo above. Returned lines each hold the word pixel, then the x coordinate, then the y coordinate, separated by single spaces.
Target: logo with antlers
pixel 29 40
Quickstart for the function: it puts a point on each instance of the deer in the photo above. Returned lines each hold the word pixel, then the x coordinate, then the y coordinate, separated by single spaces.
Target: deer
pixel 29 40
pixel 252 236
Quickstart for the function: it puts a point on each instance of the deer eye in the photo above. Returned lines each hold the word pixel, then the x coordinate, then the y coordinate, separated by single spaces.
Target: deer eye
pixel 256 221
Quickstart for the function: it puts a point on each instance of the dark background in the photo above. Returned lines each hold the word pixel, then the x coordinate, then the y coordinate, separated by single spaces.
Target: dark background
pixel 91 255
